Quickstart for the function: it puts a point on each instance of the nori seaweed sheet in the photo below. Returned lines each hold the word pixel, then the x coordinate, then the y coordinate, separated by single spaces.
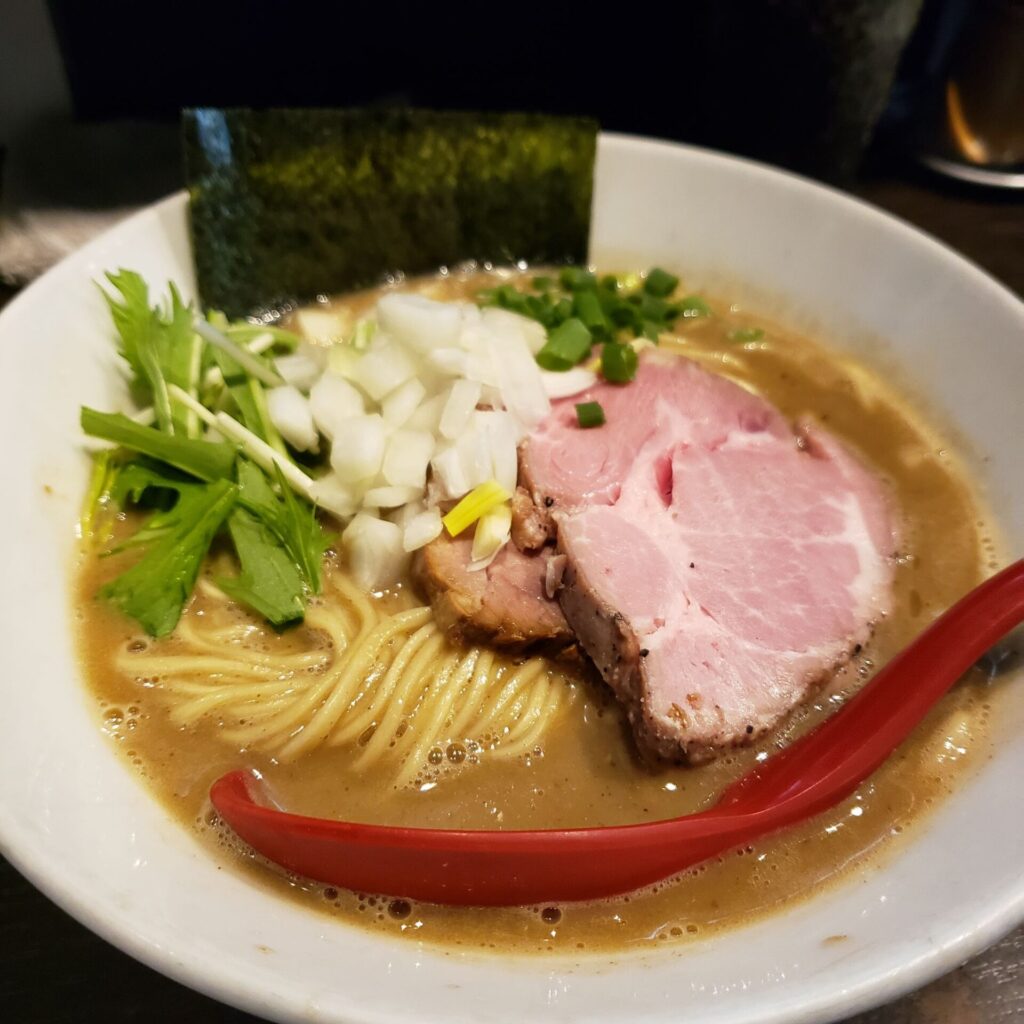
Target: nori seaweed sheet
pixel 290 204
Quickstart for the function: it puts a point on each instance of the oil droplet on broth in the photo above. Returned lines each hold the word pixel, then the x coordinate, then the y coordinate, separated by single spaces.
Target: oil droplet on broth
pixel 399 909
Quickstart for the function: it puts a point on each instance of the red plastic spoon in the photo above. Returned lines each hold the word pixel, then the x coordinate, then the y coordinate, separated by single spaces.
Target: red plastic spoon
pixel 556 865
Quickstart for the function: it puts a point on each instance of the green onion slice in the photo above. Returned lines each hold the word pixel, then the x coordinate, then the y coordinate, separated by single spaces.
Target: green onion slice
pixel 567 345
pixel 618 362
pixel 587 307
pixel 589 414
pixel 660 283
pixel 576 279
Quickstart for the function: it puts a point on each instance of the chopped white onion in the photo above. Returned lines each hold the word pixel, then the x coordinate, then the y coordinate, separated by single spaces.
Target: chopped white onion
pixel 406 459
pixel 332 399
pixel 300 369
pixel 418 322
pixel 449 473
pixel 421 529
pixel 522 389
pixel 502 434
pixel 482 366
pixel 475 455
pixel 338 498
pixel 491 397
pixel 376 557
pixel 452 362
pixel 343 360
pixel 290 413
pixel 390 497
pixel 508 326
pixel 357 449
pixel 428 415
pixel 571 382
pixel 401 516
pixel 472 329
pixel 400 404
pixel 462 400
pixel 382 369
pixel 425 385
pixel 504 361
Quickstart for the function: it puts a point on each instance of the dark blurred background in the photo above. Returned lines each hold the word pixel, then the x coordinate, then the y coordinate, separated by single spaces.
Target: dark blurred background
pixel 797 81
pixel 836 89
pixel 915 105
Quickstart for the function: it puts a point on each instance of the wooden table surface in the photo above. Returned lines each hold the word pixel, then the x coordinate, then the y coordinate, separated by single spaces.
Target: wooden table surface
pixel 52 970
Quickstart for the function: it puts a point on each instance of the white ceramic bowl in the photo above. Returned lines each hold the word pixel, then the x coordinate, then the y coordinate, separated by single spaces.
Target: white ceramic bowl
pixel 81 827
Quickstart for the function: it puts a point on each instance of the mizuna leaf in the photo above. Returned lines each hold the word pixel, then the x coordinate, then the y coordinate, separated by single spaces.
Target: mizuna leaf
pixel 154 590
pixel 208 460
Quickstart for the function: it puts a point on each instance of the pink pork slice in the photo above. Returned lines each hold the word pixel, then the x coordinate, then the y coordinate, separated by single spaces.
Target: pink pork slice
pixel 717 564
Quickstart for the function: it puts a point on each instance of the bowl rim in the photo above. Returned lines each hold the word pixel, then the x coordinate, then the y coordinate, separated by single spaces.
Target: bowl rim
pixel 875 214
pixel 989 921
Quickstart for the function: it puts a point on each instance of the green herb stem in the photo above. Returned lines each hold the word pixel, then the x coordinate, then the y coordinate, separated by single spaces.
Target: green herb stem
pixel 252 364
pixel 265 457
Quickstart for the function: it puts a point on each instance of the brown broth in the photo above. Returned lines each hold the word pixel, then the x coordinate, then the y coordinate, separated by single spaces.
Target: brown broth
pixel 588 773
